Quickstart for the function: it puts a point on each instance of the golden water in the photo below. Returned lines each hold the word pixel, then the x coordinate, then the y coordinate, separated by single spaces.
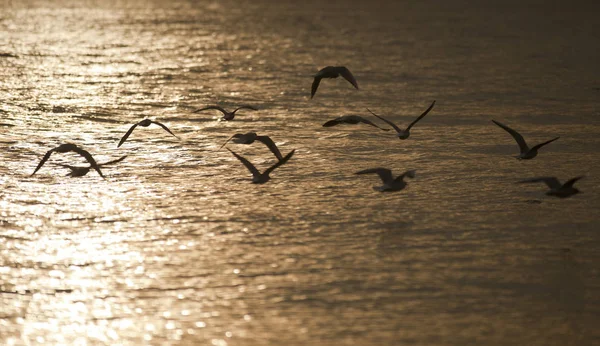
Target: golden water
pixel 176 246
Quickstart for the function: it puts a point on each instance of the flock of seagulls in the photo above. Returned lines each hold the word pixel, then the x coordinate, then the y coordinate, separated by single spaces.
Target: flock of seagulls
pixel 389 182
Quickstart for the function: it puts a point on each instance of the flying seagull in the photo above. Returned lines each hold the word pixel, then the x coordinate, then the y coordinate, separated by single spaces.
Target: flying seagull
pixel 526 152
pixel 77 171
pixel 143 123
pixel 389 183
pixel 556 188
pixel 65 148
pixel 250 137
pixel 226 115
pixel 332 72
pixel 404 134
pixel 261 178
pixel 351 119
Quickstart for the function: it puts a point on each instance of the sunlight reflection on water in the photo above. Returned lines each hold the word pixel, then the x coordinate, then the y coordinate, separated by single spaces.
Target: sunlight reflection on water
pixel 176 246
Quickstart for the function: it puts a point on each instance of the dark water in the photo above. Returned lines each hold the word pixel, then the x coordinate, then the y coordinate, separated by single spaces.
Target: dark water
pixel 176 246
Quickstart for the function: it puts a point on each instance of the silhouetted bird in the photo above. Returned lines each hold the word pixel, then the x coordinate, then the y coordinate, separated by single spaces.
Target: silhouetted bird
pixel 351 119
pixel 261 178
pixel 526 152
pixel 404 134
pixel 389 183
pixel 77 171
pixel 250 137
pixel 332 72
pixel 556 188
pixel 226 115
pixel 144 123
pixel 65 148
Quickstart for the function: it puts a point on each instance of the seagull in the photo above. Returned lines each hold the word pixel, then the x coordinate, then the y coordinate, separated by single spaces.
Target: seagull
pixel 526 152
pixel 332 72
pixel 81 171
pixel 65 148
pixel 143 123
pixel 226 115
pixel 404 134
pixel 351 119
pixel 257 177
pixel 250 137
pixel 389 183
pixel 556 188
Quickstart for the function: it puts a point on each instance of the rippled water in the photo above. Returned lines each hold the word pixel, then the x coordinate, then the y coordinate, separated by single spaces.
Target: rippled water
pixel 176 246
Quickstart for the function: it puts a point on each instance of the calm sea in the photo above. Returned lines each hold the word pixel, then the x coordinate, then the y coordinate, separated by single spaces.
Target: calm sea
pixel 177 247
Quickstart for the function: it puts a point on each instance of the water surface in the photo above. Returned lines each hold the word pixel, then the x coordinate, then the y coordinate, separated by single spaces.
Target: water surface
pixel 176 246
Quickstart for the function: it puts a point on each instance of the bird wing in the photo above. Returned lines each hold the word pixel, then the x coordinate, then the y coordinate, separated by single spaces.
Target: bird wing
pixel 348 76
pixel 546 142
pixel 113 161
pixel 552 182
pixel 333 122
pixel 219 108
pixel 384 174
pixel 369 122
pixel 44 159
pixel 280 162
pixel 315 85
pixel 164 127
pixel 266 140
pixel 571 182
pixel 244 107
pixel 127 135
pixel 517 136
pixel 421 116
pixel 89 159
pixel 227 141
pixel 246 163
pixel 411 174
pixel 387 121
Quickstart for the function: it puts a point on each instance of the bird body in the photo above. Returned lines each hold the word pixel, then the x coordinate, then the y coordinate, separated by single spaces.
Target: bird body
pixel 526 153
pixel 351 119
pixel 78 171
pixel 556 188
pixel 332 72
pixel 258 177
pixel 400 133
pixel 389 182
pixel 65 148
pixel 251 137
pixel 143 123
pixel 226 115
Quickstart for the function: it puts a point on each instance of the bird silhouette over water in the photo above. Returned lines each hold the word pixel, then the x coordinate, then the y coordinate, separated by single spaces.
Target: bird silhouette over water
pixel 65 148
pixel 351 119
pixel 332 72
pixel 226 115
pixel 78 171
pixel 389 183
pixel 144 123
pixel 526 152
pixel 258 177
pixel 250 137
pixel 404 134
pixel 556 188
